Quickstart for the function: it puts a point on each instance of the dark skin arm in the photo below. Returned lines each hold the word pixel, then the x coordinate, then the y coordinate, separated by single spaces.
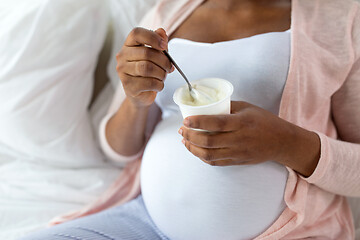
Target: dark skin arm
pixel 142 71
pixel 251 135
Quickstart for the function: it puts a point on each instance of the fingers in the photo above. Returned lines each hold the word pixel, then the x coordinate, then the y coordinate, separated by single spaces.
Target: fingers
pixel 141 65
pixel 138 60
pixel 137 85
pixel 210 139
pixel 227 162
pixel 223 123
pixel 144 69
pixel 162 33
pixel 217 156
pixel 208 154
pixel 148 54
pixel 237 106
pixel 214 123
pixel 141 36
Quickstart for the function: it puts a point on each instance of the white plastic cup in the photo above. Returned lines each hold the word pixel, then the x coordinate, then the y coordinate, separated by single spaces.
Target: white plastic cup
pixel 223 106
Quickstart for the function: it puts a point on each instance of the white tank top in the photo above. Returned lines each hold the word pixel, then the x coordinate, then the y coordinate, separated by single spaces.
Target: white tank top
pixel 190 200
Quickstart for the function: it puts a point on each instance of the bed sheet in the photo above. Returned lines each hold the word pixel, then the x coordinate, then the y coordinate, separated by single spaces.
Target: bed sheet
pixel 29 192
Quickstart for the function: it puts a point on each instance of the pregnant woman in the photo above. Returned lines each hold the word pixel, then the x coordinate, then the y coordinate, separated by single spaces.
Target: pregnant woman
pixel 278 167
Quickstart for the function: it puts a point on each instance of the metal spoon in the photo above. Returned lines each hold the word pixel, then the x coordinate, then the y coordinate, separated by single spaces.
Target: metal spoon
pixel 181 72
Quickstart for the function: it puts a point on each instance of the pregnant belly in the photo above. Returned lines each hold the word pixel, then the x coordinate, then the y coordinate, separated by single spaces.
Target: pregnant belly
pixel 190 200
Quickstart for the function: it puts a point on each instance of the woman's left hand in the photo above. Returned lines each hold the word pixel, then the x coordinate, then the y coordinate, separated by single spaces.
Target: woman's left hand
pixel 250 135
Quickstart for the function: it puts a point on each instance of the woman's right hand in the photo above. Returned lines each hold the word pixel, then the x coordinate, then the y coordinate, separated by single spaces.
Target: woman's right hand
pixel 142 66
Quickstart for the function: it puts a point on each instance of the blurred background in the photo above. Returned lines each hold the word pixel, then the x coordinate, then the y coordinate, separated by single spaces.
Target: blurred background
pixel 57 78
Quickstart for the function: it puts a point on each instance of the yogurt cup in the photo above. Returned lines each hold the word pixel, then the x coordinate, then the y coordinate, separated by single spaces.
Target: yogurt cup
pixel 222 106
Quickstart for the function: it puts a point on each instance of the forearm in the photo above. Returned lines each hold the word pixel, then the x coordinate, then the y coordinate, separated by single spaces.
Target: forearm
pixel 125 131
pixel 302 153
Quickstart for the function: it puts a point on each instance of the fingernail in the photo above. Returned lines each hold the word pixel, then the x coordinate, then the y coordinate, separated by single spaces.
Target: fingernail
pixel 186 122
pixel 183 141
pixel 180 131
pixel 172 68
pixel 163 44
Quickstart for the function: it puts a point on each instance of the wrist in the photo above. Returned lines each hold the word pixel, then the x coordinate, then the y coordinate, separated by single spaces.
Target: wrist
pixel 303 151
pixel 311 149
pixel 136 107
pixel 125 131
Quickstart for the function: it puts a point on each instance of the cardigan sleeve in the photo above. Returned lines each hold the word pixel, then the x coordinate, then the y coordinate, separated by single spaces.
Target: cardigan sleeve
pixel 338 170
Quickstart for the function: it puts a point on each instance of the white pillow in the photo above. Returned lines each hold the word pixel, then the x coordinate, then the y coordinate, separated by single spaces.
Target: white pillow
pixel 48 154
pixel 48 52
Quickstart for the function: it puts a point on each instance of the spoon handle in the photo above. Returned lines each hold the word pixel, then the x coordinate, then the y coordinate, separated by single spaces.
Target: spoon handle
pixel 178 68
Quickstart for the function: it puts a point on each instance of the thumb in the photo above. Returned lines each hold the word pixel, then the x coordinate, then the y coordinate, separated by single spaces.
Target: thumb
pixel 237 106
pixel 162 34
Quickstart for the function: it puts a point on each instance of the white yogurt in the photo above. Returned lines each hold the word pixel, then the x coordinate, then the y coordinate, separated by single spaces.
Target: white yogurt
pixel 199 95
pixel 209 96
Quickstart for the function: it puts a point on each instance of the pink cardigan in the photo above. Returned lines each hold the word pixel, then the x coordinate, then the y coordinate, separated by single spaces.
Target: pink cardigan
pixel 322 94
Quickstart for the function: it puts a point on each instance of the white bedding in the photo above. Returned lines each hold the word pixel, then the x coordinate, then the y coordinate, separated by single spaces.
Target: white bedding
pixel 50 162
